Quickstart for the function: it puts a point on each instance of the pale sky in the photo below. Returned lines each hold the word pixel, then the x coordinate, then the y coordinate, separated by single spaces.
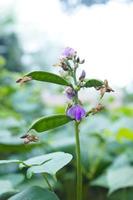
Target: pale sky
pixel 102 34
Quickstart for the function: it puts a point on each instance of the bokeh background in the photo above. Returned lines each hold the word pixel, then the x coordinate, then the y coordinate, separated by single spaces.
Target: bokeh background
pixel 32 37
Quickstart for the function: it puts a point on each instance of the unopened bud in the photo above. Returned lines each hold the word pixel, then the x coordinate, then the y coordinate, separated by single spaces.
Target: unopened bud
pixel 78 60
pixel 82 76
pixel 70 92
pixel 82 61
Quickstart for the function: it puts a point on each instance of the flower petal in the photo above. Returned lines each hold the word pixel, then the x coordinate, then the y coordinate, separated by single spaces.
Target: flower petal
pixel 68 52
pixel 76 112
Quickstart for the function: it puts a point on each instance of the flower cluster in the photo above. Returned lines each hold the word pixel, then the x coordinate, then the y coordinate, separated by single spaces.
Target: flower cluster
pixel 70 62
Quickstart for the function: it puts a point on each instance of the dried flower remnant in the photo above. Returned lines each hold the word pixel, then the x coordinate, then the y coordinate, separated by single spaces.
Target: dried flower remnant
pixel 62 64
pixel 105 88
pixel 76 112
pixel 97 109
pixel 24 80
pixel 29 138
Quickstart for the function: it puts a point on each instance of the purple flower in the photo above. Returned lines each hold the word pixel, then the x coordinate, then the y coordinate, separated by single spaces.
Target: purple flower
pixel 76 112
pixel 70 93
pixel 68 52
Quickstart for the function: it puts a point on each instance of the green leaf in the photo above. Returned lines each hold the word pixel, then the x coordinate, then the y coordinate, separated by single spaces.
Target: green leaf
pixel 120 178
pixel 122 194
pixel 120 161
pixel 5 186
pixel 93 83
pixel 49 163
pixel 47 77
pixel 15 179
pixel 7 195
pixel 101 181
pixel 50 122
pixel 124 133
pixel 35 193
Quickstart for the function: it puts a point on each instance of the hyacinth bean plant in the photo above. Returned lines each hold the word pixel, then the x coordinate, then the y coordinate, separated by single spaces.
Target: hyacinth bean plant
pixel 68 63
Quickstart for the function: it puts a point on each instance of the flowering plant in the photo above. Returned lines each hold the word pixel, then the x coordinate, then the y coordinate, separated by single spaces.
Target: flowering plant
pixel 69 62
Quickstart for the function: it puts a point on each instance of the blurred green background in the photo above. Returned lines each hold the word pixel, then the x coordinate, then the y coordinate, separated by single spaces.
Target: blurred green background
pixel 106 138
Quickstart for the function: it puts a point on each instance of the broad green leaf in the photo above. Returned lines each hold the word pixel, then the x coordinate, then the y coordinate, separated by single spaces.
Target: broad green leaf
pixel 120 178
pixel 93 83
pixel 122 194
pixel 100 181
pixel 5 186
pixel 49 163
pixel 47 77
pixel 15 179
pixel 35 193
pixel 13 148
pixel 50 122
pixel 120 161
pixel 7 195
pixel 126 110
pixel 124 133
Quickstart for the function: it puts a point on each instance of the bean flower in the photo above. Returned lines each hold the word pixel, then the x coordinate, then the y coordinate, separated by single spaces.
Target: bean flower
pixel 76 112
pixel 68 52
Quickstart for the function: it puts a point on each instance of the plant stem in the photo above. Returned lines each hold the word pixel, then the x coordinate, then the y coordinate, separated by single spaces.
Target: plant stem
pixel 78 157
pixel 46 179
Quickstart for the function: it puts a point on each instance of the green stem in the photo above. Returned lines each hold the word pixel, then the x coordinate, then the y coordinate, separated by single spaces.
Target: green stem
pixel 74 76
pixel 78 157
pixel 46 179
